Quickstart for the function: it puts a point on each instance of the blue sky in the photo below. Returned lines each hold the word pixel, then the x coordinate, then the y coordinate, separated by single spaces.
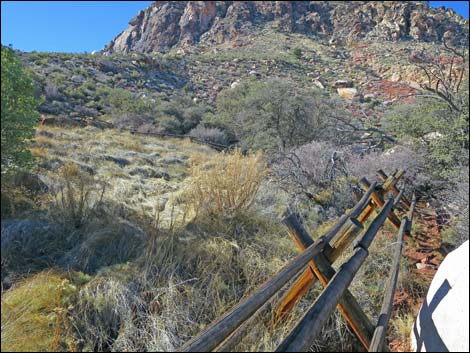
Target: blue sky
pixel 79 26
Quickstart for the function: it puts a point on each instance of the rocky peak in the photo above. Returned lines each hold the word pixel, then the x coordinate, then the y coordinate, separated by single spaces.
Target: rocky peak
pixel 181 24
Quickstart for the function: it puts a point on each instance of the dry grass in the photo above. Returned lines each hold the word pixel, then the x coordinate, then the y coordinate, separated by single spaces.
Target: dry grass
pixel 34 314
pixel 39 152
pixel 226 184
pixel 77 195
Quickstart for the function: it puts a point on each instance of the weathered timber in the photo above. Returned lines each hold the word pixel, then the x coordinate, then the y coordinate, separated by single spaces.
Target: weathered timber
pixel 345 232
pixel 305 332
pixel 219 330
pixel 348 306
pixel 375 225
pixel 352 230
pixel 379 202
pixel 411 215
pixel 394 189
pixel 398 198
pixel 387 305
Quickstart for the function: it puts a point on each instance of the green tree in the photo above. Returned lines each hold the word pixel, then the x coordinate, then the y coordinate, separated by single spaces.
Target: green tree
pixel 19 113
pixel 298 53
pixel 273 115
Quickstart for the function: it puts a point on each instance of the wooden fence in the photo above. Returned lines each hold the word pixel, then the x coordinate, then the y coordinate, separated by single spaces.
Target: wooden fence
pixel 315 264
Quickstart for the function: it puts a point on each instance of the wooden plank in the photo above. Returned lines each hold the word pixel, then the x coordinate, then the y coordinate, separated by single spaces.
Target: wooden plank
pixel 387 305
pixel 379 202
pixel 374 227
pixel 212 336
pixel 411 215
pixel 393 188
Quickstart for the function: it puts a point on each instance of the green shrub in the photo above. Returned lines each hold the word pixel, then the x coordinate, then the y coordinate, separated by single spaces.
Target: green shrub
pixel 297 53
pixel 273 115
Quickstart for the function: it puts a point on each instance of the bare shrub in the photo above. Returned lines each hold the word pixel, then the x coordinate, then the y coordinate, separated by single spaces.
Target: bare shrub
pixel 78 193
pixel 226 184
pixel 213 135
pixel 317 170
pixel 51 91
pixel 399 157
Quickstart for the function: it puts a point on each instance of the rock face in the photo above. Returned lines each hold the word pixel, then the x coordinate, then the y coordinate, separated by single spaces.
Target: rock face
pixel 168 24
pixel 442 323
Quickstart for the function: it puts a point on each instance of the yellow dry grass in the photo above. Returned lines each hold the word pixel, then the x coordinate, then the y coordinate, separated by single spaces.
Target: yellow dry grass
pixel 34 314
pixel 226 184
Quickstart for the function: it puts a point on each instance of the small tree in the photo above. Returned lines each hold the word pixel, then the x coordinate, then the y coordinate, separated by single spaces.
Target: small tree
pixel 19 112
pixel 298 53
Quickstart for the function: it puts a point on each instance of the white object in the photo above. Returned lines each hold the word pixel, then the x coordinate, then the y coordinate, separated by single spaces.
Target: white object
pixel 442 322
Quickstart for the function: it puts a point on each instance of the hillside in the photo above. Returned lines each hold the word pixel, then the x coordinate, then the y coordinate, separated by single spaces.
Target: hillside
pixel 164 164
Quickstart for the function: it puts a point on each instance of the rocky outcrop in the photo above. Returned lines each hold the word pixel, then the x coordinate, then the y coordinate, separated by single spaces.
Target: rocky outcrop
pixel 181 24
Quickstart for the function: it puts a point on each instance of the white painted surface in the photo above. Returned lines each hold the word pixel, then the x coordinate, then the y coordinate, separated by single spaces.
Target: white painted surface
pixel 442 323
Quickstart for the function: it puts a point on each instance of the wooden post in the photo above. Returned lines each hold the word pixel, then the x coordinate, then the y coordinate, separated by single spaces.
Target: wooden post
pixel 393 188
pixel 352 230
pixel 387 305
pixel 410 215
pixel 379 202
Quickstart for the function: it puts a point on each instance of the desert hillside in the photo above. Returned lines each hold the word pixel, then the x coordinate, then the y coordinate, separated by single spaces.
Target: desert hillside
pixel 145 186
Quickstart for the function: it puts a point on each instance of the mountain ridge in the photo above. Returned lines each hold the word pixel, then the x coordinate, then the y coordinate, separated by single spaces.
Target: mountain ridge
pixel 164 25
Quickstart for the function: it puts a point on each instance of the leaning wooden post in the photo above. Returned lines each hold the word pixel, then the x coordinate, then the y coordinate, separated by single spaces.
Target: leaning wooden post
pixel 410 215
pixel 379 202
pixel 305 332
pixel 393 188
pixel 387 305
pixel 348 306
pixel 345 230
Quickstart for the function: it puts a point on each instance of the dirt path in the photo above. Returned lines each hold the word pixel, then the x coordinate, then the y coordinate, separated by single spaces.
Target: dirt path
pixel 425 252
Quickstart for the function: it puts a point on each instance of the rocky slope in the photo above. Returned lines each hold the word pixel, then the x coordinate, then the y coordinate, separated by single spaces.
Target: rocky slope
pixel 165 25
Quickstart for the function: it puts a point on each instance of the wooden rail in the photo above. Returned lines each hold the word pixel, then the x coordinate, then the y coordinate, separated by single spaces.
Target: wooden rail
pixel 315 264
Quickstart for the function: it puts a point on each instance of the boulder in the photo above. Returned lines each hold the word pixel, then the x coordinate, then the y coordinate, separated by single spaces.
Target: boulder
pixel 343 84
pixel 347 93
pixel 442 322
pixel 29 181
pixel 78 79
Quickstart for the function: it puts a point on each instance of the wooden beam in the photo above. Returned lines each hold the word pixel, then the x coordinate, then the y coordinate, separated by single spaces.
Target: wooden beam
pixel 346 229
pixel 351 231
pixel 216 333
pixel 348 306
pixel 379 202
pixel 301 338
pixel 394 189
pixel 411 215
pixel 306 331
pixel 387 305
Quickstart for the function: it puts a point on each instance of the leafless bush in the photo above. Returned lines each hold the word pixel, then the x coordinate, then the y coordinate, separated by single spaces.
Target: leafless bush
pixel 51 91
pixel 214 135
pixel 311 168
pixel 77 194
